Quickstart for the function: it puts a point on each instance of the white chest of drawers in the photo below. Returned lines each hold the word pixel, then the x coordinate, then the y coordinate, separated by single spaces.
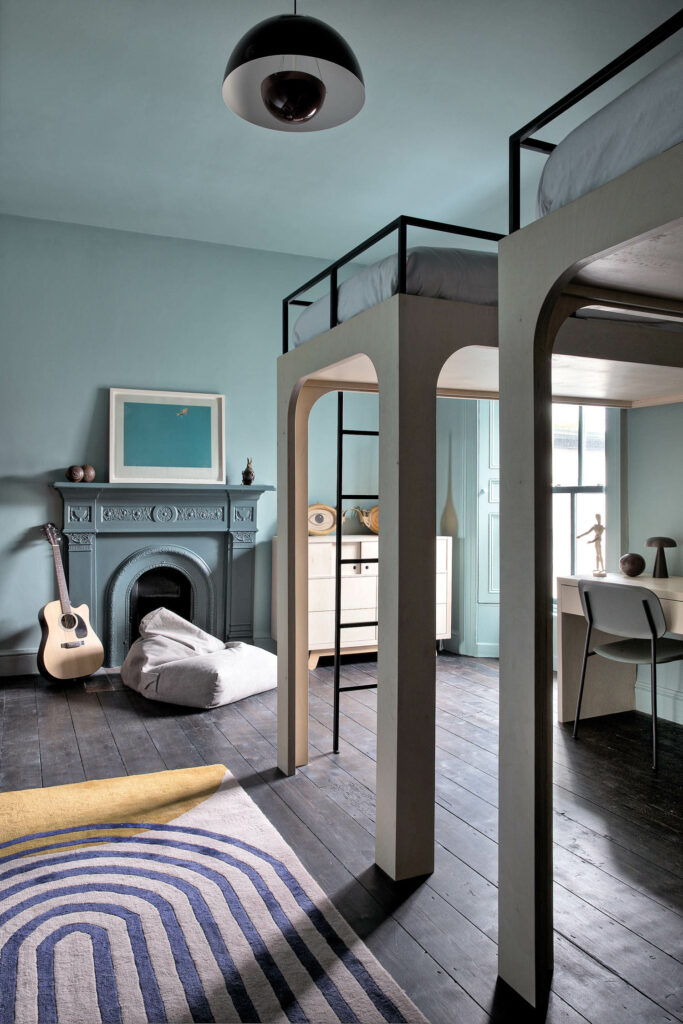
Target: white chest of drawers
pixel 359 593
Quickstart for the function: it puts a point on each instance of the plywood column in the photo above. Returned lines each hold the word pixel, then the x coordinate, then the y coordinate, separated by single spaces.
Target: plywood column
pixel 404 845
pixel 294 406
pixel 525 945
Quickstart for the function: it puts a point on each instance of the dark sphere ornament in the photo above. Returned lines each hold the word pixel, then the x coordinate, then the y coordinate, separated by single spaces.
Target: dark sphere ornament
pixel 293 96
pixel 88 473
pixel 632 564
pixel 74 474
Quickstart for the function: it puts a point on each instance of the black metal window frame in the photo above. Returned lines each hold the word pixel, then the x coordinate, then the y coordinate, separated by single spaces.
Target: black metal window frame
pixel 400 225
pixel 522 139
pixel 579 488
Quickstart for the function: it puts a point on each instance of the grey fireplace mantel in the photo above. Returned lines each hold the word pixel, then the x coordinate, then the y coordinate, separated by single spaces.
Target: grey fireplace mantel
pixel 115 532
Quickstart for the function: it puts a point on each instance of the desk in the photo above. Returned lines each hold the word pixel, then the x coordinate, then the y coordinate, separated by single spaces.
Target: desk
pixel 616 682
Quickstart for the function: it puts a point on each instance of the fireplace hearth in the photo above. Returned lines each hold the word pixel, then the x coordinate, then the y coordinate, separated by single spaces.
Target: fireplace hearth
pixel 135 547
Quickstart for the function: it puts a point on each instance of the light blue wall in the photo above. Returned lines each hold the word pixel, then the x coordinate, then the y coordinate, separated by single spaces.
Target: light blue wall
pixel 360 453
pixel 655 507
pixel 468 424
pixel 84 309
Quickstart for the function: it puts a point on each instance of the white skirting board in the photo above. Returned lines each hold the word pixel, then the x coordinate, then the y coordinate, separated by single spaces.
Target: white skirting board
pixel 669 700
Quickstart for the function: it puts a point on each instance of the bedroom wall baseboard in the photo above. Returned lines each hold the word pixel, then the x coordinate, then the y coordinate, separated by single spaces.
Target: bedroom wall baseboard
pixel 478 650
pixel 18 663
pixel 669 701
pixel 265 641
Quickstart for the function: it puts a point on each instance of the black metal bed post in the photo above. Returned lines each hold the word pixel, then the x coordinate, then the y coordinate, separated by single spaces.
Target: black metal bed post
pixel 285 326
pixel 402 254
pixel 515 185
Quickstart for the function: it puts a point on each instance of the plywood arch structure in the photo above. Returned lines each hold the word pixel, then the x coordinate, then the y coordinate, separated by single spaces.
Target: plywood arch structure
pixel 621 247
pixel 377 351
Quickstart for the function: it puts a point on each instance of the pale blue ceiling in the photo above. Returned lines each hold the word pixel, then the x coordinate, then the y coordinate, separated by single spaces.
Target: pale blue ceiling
pixel 111 115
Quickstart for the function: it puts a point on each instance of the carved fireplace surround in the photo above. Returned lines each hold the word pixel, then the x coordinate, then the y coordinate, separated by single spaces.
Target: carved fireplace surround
pixel 117 532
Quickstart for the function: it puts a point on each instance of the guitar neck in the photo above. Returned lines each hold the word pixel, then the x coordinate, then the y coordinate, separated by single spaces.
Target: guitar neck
pixel 61 581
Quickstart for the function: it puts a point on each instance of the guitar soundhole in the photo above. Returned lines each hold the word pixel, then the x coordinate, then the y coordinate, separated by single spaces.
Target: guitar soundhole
pixel 68 621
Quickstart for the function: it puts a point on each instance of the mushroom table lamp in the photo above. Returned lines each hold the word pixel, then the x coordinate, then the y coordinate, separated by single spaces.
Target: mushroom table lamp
pixel 660 571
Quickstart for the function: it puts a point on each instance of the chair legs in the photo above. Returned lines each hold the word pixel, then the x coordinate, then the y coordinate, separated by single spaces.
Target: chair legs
pixel 653 684
pixel 586 655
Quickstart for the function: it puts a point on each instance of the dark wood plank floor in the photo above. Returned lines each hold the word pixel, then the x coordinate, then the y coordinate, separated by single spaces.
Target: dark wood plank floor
pixel 618 863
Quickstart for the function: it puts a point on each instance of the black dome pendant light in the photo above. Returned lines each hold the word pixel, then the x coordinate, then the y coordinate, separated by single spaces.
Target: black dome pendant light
pixel 293 73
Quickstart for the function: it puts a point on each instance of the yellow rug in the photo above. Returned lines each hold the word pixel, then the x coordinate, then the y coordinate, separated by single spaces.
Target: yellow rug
pixel 156 798
pixel 171 898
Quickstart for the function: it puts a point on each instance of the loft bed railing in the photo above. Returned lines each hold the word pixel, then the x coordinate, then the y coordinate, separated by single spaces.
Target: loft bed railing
pixel 400 225
pixel 522 139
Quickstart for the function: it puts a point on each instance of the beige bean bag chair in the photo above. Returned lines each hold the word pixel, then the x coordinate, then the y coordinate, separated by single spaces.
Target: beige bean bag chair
pixel 176 662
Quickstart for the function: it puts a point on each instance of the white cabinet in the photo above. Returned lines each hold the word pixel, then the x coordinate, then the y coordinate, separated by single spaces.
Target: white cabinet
pixel 358 595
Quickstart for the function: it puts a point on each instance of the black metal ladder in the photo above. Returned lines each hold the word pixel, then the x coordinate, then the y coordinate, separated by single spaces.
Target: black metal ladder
pixel 339 562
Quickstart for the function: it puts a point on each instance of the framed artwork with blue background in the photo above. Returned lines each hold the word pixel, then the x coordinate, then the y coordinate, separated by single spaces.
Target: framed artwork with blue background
pixel 173 437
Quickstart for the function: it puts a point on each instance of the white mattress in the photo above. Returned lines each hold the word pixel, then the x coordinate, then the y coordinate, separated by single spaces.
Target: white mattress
pixel 640 123
pixel 458 274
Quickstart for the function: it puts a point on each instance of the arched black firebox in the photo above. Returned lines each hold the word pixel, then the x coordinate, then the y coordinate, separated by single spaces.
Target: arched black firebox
pixel 160 587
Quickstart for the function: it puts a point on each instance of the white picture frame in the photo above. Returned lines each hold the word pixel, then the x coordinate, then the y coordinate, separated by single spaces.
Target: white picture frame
pixel 171 437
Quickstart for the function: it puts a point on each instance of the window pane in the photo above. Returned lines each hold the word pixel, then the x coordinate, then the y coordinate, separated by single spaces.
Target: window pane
pixel 562 538
pixel 565 445
pixel 593 465
pixel 587 505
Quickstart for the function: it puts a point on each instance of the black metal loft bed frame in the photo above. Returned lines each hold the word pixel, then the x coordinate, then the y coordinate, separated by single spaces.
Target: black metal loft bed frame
pixel 400 225
pixel 522 139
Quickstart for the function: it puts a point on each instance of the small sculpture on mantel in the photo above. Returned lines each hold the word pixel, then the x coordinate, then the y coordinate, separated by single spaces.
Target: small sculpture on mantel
pixel 598 529
pixel 248 475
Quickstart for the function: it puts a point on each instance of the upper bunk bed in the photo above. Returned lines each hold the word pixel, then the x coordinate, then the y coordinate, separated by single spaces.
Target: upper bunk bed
pixel 607 352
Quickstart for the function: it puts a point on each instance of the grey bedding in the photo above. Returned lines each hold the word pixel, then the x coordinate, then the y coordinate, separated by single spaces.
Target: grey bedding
pixel 640 123
pixel 457 274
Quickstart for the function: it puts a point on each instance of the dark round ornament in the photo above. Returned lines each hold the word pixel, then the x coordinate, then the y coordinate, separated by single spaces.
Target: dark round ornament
pixel 632 564
pixel 74 474
pixel 88 473
pixel 293 96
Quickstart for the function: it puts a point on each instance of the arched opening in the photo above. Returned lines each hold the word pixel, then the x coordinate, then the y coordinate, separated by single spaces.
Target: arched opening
pixel 149 578
pixel 159 587
pixel 627 364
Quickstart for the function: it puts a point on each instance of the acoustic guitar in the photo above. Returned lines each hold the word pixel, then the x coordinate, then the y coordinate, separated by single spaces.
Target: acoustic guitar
pixel 69 648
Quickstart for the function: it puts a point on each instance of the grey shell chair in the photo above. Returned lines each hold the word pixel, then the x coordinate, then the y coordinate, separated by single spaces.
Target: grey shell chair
pixel 636 614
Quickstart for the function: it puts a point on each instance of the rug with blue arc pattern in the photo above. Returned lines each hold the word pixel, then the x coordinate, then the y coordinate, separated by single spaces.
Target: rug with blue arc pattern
pixel 171 898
